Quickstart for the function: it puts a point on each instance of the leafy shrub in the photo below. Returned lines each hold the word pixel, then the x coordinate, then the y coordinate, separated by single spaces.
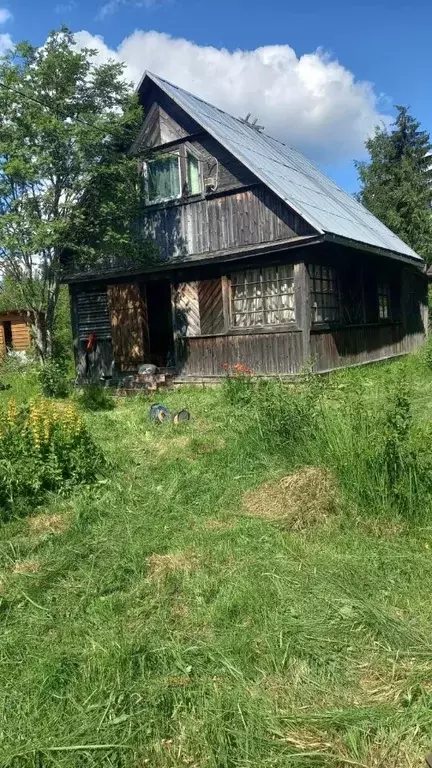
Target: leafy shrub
pixel 53 378
pixel 238 385
pixel 94 398
pixel 44 446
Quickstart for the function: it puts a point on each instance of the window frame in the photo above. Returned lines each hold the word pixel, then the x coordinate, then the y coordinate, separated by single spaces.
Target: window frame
pixel 195 156
pixel 336 293
pixel 383 291
pixel 147 163
pixel 260 327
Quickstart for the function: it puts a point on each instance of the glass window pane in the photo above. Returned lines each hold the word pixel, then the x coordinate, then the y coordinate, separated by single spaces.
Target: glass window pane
pixel 163 178
pixel 194 176
pixel 263 297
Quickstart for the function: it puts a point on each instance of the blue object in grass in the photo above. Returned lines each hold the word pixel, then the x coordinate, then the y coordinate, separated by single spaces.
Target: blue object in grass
pixel 159 413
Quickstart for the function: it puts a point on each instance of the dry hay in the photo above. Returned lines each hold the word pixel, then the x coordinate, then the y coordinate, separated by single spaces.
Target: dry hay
pixel 219 525
pixel 299 500
pixel 159 566
pixel 48 524
pixel 26 566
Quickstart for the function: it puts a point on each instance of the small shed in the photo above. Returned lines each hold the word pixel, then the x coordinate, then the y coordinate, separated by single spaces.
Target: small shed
pixel 14 332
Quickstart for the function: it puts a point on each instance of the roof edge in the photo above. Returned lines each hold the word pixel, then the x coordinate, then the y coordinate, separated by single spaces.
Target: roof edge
pixel 415 261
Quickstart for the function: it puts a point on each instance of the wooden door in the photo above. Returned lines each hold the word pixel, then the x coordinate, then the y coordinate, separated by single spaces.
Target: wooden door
pixel 129 326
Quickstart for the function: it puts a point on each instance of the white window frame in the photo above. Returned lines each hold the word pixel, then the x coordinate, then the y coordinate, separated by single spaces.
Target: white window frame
pixel 158 200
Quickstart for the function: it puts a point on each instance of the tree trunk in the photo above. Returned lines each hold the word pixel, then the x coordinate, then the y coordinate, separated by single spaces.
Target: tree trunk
pixel 39 333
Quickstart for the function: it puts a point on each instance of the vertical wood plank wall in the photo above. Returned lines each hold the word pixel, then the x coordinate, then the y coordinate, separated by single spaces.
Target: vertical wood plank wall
pixel 129 324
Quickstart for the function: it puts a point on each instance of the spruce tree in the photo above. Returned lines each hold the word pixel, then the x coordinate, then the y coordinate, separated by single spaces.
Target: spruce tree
pixel 396 181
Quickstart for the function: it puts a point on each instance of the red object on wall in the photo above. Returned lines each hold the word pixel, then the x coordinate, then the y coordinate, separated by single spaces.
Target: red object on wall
pixel 91 342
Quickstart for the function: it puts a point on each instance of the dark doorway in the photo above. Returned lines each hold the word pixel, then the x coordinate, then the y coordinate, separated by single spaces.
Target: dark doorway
pixel 160 325
pixel 7 330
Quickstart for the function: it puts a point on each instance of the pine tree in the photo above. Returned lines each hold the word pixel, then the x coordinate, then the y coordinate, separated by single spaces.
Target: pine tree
pixel 396 182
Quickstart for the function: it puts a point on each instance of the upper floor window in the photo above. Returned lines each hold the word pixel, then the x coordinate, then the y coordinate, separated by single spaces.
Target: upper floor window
pixel 193 174
pixel 163 178
pixel 261 297
pixel 325 294
pixel 172 175
pixel 384 304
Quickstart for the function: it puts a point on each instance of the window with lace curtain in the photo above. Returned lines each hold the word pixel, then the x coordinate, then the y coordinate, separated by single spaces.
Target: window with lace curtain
pixel 263 297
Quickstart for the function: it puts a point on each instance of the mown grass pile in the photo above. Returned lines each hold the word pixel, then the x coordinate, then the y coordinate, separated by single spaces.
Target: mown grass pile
pixel 198 607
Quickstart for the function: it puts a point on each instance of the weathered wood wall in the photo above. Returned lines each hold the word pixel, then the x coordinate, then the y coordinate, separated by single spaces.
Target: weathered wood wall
pixel 270 354
pixel 216 223
pixel 21 339
pixel 363 344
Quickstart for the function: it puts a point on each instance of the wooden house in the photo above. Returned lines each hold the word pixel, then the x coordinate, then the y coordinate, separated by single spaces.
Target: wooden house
pixel 262 260
pixel 14 332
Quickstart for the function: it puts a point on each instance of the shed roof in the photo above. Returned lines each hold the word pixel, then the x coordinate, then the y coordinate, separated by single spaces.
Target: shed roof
pixel 290 175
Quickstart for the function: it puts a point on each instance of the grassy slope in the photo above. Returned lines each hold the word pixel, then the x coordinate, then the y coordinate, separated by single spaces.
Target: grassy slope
pixel 248 646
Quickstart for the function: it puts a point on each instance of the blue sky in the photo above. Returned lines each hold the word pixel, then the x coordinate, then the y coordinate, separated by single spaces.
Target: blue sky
pixel 310 91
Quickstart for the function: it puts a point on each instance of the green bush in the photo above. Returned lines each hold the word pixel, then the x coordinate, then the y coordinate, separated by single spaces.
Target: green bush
pixel 53 379
pixel 44 446
pixel 95 398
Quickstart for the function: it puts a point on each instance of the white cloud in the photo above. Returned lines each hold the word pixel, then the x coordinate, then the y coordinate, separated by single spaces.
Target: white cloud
pixel 312 102
pixel 5 15
pixel 6 44
pixel 110 7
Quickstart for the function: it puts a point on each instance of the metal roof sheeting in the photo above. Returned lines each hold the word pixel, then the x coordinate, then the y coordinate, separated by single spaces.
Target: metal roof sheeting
pixel 290 175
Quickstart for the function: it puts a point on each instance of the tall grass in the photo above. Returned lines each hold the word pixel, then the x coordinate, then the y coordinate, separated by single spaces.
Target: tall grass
pixel 378 451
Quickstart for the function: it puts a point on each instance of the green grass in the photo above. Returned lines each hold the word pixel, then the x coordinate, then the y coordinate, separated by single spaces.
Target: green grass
pixel 165 627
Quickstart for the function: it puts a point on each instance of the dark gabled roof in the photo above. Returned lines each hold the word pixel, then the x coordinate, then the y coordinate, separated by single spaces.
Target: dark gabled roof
pixel 291 176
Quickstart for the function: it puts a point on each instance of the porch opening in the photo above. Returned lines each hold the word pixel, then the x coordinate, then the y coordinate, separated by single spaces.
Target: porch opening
pixel 160 324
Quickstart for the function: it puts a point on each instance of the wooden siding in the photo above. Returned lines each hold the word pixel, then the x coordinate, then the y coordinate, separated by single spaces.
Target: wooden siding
pixel 211 306
pixel 363 344
pixel 205 226
pixel 217 162
pixel 265 353
pixel 186 310
pixel 128 324
pixel 159 128
pixel 93 313
pixel 21 338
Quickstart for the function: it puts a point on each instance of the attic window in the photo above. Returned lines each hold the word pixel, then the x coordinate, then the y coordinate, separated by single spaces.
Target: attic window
pixel 193 174
pixel 163 178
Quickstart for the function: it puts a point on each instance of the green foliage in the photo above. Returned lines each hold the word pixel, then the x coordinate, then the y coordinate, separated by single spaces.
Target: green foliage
pixel 43 447
pixel 309 647
pixel 238 384
pixel 69 189
pixel 53 378
pixel 95 398
pixel 396 181
pixel 427 351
